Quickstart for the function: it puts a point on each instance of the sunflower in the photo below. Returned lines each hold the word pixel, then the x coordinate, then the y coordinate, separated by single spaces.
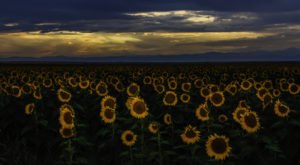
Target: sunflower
pixel 133 89
pixel 72 82
pixel 213 88
pixel 267 100
pixel 172 84
pixel 281 109
pixel 147 80
pixel 29 108
pixel 66 116
pixel 217 146
pixel 159 88
pixel 268 84
pixel 185 98
pixel 261 92
pixel 47 83
pixel 63 95
pixel 37 94
pixel 231 89
pixel 138 108
pixel 276 92
pixel 16 91
pixel 101 89
pixel 119 87
pixel 153 127
pixel 66 132
pixel 238 113
pixel 205 92
pixel 108 115
pixel 202 112
pixel 284 86
pixel 246 85
pixel 243 104
pixel 250 122
pixel 26 89
pixel 294 89
pixel 190 135
pixel 128 138
pixel 109 101
pixel 83 84
pixel 217 99
pixel 186 87
pixel 170 98
pixel 167 119
pixel 198 83
pixel 222 118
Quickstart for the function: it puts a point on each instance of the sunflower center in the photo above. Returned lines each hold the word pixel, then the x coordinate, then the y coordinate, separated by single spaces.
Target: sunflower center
pixel 203 112
pixel 170 98
pixel 205 92
pixel 294 88
pixel 217 98
pixel 67 132
pixel 250 120
pixel 139 107
pixel 133 89
pixel 102 89
pixel 68 118
pixel 64 95
pixel 108 113
pixel 246 84
pixel 109 103
pixel 219 145
pixel 282 109
pixel 190 134
pixel 129 137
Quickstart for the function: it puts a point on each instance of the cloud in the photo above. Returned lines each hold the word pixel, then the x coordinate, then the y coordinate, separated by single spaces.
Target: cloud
pixel 103 44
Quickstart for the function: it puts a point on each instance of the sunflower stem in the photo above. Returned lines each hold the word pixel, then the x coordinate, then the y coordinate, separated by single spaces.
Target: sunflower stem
pixel 70 149
pixel 142 136
pixel 159 148
pixel 131 155
pixel 113 130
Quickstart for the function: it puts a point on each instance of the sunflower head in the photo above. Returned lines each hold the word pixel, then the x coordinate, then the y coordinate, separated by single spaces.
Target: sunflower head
pixel 202 112
pixel 172 84
pixel 217 99
pixel 147 80
pixel 205 92
pixel 66 132
pixel 168 119
pixel 159 88
pixel 238 113
pixel 185 98
pixel 128 138
pixel 190 135
pixel 170 98
pixel 66 116
pixel 108 115
pixel 133 89
pixel 294 88
pixel 101 88
pixel 217 146
pixel 138 108
pixel 250 122
pixel 63 95
pixel 222 118
pixel 109 101
pixel 186 87
pixel 153 127
pixel 280 109
pixel 246 85
pixel 29 108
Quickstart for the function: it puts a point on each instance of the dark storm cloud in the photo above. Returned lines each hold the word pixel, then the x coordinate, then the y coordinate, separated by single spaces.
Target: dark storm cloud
pixel 108 15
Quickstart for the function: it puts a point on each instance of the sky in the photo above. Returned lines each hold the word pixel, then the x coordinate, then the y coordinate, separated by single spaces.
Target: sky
pixel 38 28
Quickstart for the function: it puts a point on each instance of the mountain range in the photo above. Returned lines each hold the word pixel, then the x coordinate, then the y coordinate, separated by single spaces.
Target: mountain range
pixel 287 55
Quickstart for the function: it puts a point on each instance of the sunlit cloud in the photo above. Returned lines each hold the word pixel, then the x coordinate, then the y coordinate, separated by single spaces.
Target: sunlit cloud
pixel 47 24
pixel 11 24
pixel 36 43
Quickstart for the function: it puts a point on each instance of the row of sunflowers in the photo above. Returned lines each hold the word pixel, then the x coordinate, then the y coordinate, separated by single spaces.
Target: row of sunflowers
pixel 152 115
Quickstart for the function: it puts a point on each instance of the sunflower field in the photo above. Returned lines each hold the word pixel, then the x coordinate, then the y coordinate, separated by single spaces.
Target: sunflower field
pixel 135 114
